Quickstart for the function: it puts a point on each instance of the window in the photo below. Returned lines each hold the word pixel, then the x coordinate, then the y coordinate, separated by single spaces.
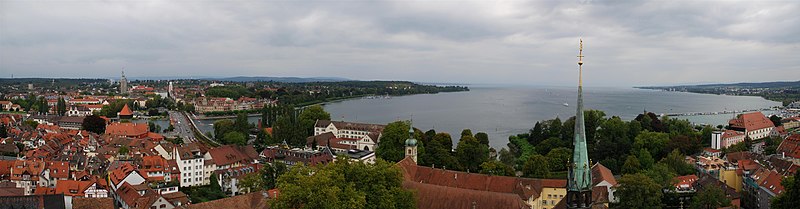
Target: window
pixel 544 202
pixel 163 206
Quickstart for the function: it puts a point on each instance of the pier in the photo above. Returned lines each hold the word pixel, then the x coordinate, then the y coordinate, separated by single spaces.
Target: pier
pixel 719 112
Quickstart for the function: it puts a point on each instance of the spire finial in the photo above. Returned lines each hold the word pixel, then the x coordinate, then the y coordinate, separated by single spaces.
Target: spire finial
pixel 580 63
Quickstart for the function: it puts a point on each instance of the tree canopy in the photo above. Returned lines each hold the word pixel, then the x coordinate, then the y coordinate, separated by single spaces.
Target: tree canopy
pixel 94 124
pixel 638 191
pixel 344 184
pixel 392 144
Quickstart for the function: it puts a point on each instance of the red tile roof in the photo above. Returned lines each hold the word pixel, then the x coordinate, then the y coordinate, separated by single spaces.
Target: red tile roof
pixel 790 146
pixel 126 110
pixel 684 181
pixel 751 121
pixel 93 203
pixel 470 185
pixel 58 169
pixel 72 188
pixel 229 154
pixel 772 182
pixel 254 200
pixel 119 174
pixel 600 173
pixel 135 130
pixel 431 196
pixel 27 167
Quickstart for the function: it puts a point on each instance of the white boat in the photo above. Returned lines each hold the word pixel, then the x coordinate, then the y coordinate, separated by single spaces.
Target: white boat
pixel 566 104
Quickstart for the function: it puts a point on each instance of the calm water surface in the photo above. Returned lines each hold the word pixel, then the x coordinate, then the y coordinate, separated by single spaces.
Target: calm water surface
pixel 506 111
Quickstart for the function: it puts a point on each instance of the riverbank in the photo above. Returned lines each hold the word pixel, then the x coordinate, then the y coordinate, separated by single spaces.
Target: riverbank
pixel 303 105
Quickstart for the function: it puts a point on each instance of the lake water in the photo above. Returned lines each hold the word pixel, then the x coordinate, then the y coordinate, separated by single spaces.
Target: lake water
pixel 506 111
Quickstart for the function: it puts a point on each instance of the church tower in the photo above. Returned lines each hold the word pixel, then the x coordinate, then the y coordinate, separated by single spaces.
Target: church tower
pixel 579 181
pixel 123 84
pixel 411 144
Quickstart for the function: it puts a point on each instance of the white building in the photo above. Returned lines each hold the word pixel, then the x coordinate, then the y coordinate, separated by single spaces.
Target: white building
pixel 720 139
pixel 191 163
pixel 754 124
pixel 359 135
pixel 126 173
pixel 79 111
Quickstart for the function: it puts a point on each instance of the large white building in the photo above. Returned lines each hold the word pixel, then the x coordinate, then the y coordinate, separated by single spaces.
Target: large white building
pixel 357 135
pixel 754 124
pixel 724 139
pixel 191 163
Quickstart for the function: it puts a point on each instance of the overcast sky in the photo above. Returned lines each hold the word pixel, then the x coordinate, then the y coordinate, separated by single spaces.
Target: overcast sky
pixel 627 43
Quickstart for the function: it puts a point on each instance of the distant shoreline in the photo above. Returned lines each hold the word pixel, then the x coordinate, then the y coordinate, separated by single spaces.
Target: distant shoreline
pixel 707 93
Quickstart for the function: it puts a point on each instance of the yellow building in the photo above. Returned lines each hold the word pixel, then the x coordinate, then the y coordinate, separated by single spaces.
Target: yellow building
pixel 548 198
pixel 729 177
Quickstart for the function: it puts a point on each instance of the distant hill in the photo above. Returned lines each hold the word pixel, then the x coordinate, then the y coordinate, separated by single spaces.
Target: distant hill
pixel 47 81
pixel 785 92
pixel 775 84
pixel 279 79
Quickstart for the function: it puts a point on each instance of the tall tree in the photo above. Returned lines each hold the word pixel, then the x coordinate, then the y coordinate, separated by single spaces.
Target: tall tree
pixel 654 142
pixel 341 183
pixel 645 159
pixel 614 138
pixel 776 120
pixel 483 138
pixel 710 198
pixel 61 106
pixel 676 163
pixel 537 166
pixel 506 157
pixel 466 132
pixel 790 198
pixel 241 124
pixel 310 115
pixel 43 107
pixel 94 123
pixel 497 168
pixel 222 127
pixel 536 135
pixel 391 147
pixel 554 128
pixel 631 165
pixel 471 153
pixel 3 130
pixel 638 191
pixel 438 153
pixel 593 120
pixel 559 158
pixel 234 137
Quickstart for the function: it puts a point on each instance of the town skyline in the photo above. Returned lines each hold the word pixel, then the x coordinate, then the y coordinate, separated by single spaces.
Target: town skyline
pixel 519 42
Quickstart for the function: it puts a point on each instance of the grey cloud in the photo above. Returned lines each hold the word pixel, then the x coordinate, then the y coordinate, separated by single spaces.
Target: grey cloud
pixel 520 42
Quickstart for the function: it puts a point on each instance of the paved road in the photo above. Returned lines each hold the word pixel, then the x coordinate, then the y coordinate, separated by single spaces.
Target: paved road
pixel 182 127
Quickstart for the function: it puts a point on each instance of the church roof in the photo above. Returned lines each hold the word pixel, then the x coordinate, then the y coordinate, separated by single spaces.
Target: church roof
pixel 126 110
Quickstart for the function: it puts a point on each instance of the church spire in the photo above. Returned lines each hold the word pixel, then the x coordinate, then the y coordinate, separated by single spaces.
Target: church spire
pixel 411 143
pixel 579 182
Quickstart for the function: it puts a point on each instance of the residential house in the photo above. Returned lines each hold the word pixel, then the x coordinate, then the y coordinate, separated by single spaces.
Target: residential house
pixel 295 156
pixel 27 174
pixel 361 135
pixel 191 163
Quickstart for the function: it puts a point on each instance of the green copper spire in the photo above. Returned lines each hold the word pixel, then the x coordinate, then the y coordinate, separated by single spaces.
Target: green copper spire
pixel 580 173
